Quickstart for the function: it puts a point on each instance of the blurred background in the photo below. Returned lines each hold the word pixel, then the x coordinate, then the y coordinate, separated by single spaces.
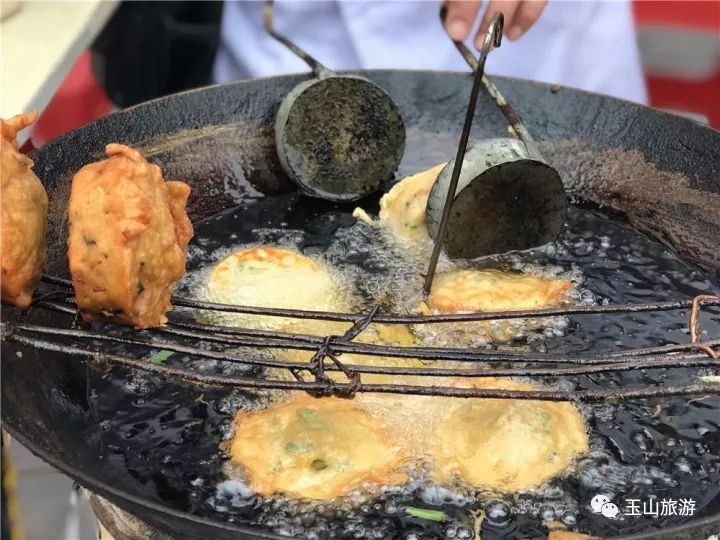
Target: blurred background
pixel 64 48
pixel 77 61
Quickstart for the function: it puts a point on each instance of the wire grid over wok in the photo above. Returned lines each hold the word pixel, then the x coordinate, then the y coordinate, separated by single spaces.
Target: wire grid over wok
pixel 218 342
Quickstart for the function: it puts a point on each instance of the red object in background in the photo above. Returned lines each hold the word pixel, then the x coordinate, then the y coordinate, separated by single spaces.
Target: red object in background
pixel 79 100
pixel 702 14
pixel 680 45
pixel 693 97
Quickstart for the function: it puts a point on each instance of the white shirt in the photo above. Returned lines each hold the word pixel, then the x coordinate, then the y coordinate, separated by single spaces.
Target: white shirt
pixel 585 44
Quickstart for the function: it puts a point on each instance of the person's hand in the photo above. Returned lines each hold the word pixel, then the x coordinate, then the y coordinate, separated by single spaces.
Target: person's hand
pixel 520 15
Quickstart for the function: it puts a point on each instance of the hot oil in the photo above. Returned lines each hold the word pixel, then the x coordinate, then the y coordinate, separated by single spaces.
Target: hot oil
pixel 169 434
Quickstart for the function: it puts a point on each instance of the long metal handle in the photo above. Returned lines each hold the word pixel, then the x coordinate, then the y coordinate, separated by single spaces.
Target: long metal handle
pixel 493 37
pixel 518 128
pixel 317 68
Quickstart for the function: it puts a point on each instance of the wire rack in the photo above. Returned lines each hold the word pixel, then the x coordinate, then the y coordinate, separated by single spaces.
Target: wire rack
pixel 242 346
pixel 200 341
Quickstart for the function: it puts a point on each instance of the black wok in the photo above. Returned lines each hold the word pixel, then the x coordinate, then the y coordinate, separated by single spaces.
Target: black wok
pixel 658 171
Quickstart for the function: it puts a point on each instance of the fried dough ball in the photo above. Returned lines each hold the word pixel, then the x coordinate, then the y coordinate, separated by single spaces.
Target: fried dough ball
pixel 128 237
pixel 283 460
pixel 469 291
pixel 315 448
pixel 271 277
pixel 507 445
pixel 415 419
pixel 267 276
pixel 24 217
pixel 402 209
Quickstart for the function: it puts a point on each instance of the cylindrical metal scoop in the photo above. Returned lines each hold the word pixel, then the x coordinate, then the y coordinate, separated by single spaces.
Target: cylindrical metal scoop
pixel 337 136
pixel 500 195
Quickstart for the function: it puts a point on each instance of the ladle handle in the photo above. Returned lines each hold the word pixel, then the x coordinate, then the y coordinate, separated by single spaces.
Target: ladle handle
pixel 493 37
pixel 317 68
pixel 518 129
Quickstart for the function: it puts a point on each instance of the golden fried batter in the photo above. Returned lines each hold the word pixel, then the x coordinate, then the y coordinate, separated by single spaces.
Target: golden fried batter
pixel 402 209
pixel 300 453
pixel 467 291
pixel 507 445
pixel 24 217
pixel 128 237
pixel 267 276
pixel 315 448
pixel 415 419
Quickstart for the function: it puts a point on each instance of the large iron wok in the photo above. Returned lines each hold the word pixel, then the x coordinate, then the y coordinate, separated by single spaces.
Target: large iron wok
pixel 658 171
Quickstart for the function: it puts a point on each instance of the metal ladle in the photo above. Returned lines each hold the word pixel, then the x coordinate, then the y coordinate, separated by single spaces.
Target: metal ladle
pixel 337 136
pixel 500 195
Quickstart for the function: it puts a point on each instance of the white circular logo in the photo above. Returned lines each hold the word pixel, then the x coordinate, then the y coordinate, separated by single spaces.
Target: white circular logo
pixel 597 503
pixel 609 510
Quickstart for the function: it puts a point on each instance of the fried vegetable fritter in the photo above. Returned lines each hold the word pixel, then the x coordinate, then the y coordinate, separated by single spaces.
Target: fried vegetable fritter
pixel 402 209
pixel 128 237
pixel 24 217
pixel 266 276
pixel 468 291
pixel 315 448
pixel 473 290
pixel 507 445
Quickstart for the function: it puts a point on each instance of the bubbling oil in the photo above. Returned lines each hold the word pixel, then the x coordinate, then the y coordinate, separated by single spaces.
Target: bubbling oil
pixel 414 419
pixel 169 434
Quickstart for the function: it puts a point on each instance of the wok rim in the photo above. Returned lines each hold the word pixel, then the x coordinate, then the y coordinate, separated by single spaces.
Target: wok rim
pixel 114 494
pixel 363 72
pixel 125 500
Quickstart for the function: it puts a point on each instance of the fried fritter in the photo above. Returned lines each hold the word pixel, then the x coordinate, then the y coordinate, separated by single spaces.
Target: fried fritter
pixel 402 209
pixel 469 291
pixel 281 461
pixel 128 237
pixel 24 217
pixel 266 276
pixel 315 448
pixel 507 445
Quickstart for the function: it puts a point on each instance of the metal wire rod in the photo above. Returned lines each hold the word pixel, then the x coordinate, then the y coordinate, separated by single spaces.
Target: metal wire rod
pixel 424 319
pixel 426 353
pixel 645 362
pixel 493 36
pixel 280 340
pixel 345 389
pixel 423 353
pixel 268 12
pixel 327 351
